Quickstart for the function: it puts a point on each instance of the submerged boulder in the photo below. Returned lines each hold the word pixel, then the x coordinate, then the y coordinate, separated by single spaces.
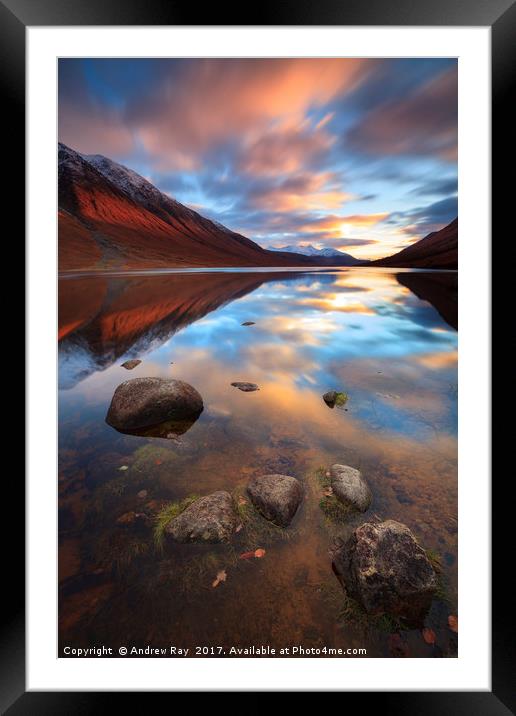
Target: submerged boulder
pixel 276 497
pixel 350 488
pixel 208 519
pixel 383 567
pixel 144 402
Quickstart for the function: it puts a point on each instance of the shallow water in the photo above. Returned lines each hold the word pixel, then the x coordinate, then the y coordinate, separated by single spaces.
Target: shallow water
pixel 387 339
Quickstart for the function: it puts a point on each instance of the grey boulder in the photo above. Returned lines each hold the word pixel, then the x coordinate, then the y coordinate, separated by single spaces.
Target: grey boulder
pixel 143 402
pixel 208 519
pixel 384 568
pixel 350 488
pixel 276 497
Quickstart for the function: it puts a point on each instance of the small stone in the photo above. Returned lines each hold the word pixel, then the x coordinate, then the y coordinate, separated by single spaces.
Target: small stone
pixel 350 488
pixel 130 364
pixel 330 398
pixel 208 519
pixel 245 387
pixel 335 398
pixel 276 497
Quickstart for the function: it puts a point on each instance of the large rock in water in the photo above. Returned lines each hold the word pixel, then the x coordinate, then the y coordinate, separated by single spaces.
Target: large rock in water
pixel 143 402
pixel 383 567
pixel 277 497
pixel 349 487
pixel 208 519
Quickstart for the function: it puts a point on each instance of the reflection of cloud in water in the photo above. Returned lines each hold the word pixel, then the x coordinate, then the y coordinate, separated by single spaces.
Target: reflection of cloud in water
pixel 337 302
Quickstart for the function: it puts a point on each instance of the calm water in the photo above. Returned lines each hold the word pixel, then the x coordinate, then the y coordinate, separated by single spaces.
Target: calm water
pixel 387 339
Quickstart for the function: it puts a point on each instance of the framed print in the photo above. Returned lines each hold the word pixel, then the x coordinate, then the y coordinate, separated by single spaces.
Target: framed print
pixel 258 453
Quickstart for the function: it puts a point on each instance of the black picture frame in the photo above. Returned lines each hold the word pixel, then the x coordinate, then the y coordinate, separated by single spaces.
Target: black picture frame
pixel 15 17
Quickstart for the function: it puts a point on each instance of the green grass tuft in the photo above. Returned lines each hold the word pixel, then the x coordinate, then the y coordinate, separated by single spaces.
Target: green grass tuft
pixel 167 513
pixel 334 510
pixel 323 479
pixel 341 399
pixel 435 560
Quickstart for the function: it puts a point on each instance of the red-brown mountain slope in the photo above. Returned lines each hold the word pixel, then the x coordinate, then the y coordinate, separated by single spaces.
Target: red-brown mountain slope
pixel 438 250
pixel 110 217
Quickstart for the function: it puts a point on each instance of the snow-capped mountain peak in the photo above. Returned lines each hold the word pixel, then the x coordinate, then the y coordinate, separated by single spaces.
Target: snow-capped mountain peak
pixel 310 250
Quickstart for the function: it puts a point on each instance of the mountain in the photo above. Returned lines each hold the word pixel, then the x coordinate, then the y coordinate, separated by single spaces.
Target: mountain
pixel 110 217
pixel 326 253
pixel 438 250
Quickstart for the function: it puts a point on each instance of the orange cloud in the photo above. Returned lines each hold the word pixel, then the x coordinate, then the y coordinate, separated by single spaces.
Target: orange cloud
pixel 309 192
pixel 284 151
pixel 213 99
pixel 364 219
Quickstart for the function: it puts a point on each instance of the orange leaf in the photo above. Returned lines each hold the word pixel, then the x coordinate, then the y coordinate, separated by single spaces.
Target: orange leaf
pixel 247 555
pixel 429 635
pixel 221 577
pixel 453 623
pixel 242 501
pixel 259 553
pixel 158 462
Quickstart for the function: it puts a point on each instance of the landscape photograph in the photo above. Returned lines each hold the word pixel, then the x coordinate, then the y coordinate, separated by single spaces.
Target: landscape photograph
pixel 257 357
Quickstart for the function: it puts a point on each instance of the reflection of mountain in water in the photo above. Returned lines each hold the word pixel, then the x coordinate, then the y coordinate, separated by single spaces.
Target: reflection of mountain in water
pixel 102 319
pixel 438 288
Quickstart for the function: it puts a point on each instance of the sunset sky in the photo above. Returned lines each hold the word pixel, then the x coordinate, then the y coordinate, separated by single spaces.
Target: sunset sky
pixel 356 154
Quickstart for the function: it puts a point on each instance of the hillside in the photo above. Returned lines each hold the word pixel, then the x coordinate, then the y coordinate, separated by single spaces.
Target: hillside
pixel 438 250
pixel 110 217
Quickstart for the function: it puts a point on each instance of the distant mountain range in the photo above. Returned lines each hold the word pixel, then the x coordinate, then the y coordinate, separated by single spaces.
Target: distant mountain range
pixel 342 258
pixel 112 218
pixel 438 250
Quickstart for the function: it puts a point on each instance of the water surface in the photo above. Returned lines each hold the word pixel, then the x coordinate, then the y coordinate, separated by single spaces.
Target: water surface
pixel 388 339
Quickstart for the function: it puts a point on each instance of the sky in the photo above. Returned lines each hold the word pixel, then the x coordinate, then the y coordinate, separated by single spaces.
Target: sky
pixel 354 154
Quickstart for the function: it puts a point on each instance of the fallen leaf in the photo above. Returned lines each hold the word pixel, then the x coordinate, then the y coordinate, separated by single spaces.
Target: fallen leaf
pixel 124 467
pixel 453 623
pixel 259 553
pixel 239 527
pixel 328 492
pixel 158 462
pixel 242 501
pixel 429 635
pixel 221 577
pixel 247 555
